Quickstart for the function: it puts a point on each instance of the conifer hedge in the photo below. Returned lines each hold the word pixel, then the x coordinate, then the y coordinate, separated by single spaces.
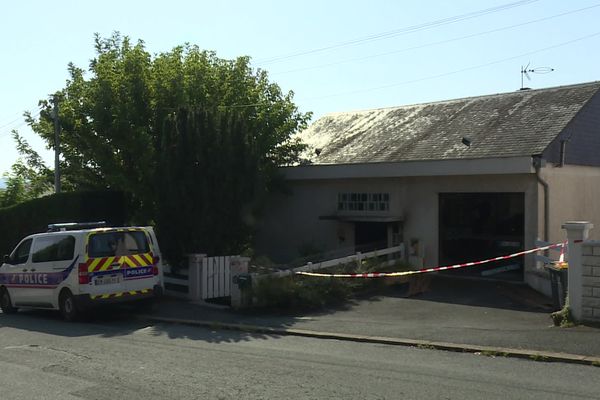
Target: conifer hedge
pixel 34 216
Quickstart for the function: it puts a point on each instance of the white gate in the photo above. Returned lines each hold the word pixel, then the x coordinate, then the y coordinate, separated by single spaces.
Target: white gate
pixel 207 278
pixel 215 277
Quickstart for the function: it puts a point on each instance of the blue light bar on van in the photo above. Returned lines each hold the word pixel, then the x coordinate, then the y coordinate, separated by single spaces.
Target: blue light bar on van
pixel 72 226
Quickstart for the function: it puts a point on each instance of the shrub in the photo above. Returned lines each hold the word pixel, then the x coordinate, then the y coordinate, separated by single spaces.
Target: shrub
pixel 304 292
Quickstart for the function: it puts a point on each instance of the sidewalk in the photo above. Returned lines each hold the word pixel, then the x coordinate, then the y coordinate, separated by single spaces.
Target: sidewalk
pixel 468 314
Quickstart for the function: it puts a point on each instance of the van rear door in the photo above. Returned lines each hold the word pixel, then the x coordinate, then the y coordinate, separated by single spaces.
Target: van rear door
pixel 158 259
pixel 119 263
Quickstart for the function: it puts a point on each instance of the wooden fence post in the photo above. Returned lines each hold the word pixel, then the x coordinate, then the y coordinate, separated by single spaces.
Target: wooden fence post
pixel 195 276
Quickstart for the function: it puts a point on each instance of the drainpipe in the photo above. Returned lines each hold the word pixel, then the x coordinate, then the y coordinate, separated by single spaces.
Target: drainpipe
pixel 537 163
pixel 563 152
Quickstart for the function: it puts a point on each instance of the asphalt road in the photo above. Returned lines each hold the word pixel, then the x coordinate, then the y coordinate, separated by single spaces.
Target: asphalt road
pixel 42 357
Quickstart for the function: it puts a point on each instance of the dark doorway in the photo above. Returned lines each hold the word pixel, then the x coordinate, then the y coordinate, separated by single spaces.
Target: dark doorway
pixel 478 226
pixel 369 236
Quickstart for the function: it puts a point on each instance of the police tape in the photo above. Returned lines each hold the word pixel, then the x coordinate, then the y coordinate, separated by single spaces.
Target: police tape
pixel 435 269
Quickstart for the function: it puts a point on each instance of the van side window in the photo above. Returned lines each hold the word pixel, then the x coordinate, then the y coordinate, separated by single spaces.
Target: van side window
pixel 21 253
pixel 53 248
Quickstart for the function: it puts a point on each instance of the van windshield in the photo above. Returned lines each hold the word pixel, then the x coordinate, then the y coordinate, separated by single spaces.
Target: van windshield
pixel 110 244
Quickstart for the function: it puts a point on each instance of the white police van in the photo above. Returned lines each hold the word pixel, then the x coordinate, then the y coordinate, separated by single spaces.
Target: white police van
pixel 77 265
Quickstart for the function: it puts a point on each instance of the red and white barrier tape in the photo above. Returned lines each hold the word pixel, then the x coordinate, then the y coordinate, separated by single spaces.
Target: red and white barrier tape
pixel 435 269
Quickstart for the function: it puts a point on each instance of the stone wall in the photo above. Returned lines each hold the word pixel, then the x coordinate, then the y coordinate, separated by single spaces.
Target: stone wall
pixel 590 281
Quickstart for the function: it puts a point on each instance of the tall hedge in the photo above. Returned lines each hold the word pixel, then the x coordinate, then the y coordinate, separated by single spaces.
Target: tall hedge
pixel 34 216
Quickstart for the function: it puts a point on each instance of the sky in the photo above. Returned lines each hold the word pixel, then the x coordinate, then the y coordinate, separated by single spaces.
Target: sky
pixel 335 55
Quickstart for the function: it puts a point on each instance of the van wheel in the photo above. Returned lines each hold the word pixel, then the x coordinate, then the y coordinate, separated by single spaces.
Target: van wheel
pixel 6 303
pixel 67 306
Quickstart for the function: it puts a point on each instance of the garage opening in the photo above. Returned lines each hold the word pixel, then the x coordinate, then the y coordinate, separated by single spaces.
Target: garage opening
pixel 477 226
pixel 369 236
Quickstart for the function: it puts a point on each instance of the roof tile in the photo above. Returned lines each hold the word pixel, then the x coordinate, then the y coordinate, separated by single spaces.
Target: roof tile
pixel 503 125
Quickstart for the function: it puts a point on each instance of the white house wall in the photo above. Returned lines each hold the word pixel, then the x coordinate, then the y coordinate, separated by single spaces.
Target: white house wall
pixel 574 196
pixel 292 222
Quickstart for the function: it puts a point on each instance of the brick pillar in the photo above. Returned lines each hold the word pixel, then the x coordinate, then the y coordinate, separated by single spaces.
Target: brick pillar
pixel 591 281
pixel 577 231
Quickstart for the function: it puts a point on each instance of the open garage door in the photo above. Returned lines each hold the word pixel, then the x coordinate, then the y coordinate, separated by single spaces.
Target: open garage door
pixel 476 226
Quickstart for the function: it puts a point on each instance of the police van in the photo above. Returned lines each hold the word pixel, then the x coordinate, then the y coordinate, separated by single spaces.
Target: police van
pixel 74 266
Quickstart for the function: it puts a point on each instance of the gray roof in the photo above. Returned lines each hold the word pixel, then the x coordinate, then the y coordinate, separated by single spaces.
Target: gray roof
pixel 521 123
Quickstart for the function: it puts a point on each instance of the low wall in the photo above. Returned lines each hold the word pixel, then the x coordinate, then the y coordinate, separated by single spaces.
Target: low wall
pixel 590 262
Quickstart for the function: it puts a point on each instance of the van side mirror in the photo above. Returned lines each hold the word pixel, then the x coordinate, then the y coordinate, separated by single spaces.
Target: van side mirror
pixel 7 259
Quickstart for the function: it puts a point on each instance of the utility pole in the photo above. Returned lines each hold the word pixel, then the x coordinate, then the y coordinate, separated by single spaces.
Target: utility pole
pixel 56 145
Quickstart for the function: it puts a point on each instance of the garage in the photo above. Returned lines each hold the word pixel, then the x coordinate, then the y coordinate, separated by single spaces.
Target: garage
pixel 458 175
pixel 478 226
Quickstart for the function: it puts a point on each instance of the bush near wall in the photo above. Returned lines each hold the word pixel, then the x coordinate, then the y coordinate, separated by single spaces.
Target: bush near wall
pixel 34 216
pixel 310 293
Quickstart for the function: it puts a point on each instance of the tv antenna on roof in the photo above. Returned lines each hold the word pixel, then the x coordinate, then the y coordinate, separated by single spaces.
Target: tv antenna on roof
pixel 525 71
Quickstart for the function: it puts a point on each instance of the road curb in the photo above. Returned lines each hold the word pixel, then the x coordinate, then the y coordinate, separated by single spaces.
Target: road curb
pixel 534 355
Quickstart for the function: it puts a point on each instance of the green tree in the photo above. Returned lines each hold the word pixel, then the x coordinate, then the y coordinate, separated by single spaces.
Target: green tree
pixel 212 180
pixel 15 191
pixel 28 179
pixel 117 120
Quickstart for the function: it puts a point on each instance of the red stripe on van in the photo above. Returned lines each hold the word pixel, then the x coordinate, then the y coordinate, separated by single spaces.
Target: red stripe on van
pixel 134 261
pixel 149 258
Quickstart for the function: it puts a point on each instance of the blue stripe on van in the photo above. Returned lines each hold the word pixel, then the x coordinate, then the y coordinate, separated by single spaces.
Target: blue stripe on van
pixel 35 279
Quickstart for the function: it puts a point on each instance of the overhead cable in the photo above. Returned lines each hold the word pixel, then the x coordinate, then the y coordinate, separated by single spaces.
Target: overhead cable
pixel 457 71
pixel 400 31
pixel 435 43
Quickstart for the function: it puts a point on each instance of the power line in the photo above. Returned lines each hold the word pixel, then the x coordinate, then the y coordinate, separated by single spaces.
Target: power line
pixel 400 31
pixel 413 80
pixel 17 119
pixel 457 71
pixel 11 122
pixel 9 131
pixel 435 43
pixel 434 76
pixel 12 115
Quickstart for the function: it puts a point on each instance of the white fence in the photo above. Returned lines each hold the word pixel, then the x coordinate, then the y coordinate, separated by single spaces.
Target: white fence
pixel 356 258
pixel 206 277
pixel 215 277
pixel 212 277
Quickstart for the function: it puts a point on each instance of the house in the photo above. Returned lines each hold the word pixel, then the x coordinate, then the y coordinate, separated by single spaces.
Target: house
pixel 455 181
